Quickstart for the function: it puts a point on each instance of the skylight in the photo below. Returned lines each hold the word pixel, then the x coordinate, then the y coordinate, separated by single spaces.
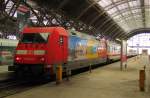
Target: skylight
pixel 128 13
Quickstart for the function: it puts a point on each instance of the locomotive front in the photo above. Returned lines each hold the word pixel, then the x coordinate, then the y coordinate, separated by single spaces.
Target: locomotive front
pixel 30 54
pixel 39 49
pixel 31 48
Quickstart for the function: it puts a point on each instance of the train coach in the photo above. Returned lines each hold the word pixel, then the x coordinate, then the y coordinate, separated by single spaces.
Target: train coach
pixel 7 48
pixel 113 51
pixel 41 49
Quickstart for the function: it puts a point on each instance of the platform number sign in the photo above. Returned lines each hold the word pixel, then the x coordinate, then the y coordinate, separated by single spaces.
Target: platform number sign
pixel 61 41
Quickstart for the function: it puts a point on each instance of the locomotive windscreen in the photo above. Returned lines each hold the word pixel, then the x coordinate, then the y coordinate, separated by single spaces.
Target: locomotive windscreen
pixel 34 38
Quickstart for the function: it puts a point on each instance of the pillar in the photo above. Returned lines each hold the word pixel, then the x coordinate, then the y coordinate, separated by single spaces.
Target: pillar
pixel 58 74
pixel 123 57
pixel 142 80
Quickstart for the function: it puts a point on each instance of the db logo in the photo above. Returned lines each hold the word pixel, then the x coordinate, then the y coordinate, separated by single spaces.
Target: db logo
pixel 30 52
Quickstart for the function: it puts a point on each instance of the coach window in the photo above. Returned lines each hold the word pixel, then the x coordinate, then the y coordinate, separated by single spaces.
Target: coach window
pixel 61 40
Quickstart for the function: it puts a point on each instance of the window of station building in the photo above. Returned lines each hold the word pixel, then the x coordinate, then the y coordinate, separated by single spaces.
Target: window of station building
pixel 140 42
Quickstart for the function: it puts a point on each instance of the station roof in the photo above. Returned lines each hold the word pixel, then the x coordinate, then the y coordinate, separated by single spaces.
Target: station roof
pixel 130 15
pixel 112 18
pixel 89 12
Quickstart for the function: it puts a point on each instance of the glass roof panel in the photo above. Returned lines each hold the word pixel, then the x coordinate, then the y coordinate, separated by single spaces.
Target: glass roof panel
pixel 142 40
pixel 137 16
pixel 127 13
pixel 104 3
pixel 136 11
pixel 9 6
pixel 113 10
pixel 134 3
pixel 117 0
pixel 129 18
pixel 147 2
pixel 122 6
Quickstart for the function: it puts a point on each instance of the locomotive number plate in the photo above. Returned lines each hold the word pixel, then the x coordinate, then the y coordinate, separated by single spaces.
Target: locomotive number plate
pixel 29 59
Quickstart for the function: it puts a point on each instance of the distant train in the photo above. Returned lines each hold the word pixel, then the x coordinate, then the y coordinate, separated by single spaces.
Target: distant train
pixel 42 48
pixel 7 48
pixel 131 51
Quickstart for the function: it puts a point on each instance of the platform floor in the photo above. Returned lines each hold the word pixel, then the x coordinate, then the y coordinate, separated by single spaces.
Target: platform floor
pixel 103 82
pixel 3 68
pixel 4 73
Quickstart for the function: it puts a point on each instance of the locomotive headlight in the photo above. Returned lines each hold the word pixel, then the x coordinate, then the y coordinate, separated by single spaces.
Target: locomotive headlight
pixel 39 52
pixel 18 58
pixel 21 52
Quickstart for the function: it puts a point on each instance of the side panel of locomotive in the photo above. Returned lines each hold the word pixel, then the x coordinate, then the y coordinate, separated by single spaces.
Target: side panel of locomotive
pixel 85 50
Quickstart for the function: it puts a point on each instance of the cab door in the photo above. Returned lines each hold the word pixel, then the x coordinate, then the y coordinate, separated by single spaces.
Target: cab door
pixel 63 41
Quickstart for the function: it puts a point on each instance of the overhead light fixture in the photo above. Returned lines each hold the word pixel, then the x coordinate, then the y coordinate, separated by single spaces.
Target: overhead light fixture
pixel 118 39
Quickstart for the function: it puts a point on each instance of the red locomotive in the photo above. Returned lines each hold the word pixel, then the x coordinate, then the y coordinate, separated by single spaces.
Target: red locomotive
pixel 42 48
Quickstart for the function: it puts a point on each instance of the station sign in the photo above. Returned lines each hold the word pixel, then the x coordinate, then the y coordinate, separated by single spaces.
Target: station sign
pixel 23 9
pixel 23 14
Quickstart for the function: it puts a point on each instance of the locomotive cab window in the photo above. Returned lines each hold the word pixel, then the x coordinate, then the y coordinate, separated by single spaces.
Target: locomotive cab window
pixel 34 37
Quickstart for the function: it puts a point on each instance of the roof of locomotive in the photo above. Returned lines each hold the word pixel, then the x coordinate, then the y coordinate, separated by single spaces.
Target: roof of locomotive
pixel 63 32
pixel 45 30
pixel 80 34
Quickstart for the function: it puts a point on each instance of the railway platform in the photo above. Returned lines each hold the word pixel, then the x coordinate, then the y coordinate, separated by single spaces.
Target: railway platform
pixel 104 82
pixel 4 73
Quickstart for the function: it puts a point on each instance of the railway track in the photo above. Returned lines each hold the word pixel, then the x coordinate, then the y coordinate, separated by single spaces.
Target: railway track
pixel 16 86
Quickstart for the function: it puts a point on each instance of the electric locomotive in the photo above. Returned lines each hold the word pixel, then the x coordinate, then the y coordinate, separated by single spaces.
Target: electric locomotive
pixel 41 49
